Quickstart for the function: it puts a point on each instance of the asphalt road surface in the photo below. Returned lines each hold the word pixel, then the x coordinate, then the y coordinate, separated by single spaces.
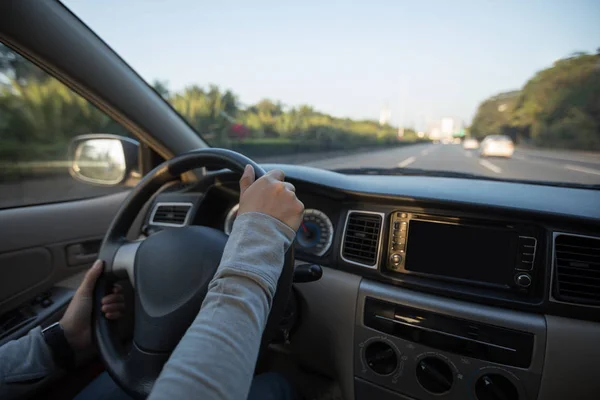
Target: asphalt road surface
pixel 538 165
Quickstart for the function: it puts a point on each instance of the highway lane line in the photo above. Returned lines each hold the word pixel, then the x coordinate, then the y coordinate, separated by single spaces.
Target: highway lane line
pixel 490 166
pixel 406 162
pixel 522 158
pixel 582 169
pixel 425 152
pixel 468 154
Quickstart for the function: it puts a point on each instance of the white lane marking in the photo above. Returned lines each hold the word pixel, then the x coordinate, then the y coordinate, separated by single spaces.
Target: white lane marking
pixel 519 157
pixel 468 154
pixel 582 169
pixel 406 162
pixel 425 152
pixel 490 166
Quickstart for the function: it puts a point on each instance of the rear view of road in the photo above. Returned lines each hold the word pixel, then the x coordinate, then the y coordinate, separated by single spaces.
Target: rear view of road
pixel 538 165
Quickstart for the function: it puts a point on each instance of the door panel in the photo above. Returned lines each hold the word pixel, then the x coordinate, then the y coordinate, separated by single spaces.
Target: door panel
pixel 33 265
pixel 28 227
pixel 41 246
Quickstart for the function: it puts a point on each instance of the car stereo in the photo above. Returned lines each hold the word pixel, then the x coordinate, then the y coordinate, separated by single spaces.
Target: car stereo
pixel 468 251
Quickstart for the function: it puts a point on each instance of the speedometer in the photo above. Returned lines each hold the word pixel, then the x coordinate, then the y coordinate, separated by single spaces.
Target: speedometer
pixel 315 234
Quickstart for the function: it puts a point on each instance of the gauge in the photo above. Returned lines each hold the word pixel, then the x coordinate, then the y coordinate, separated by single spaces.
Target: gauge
pixel 230 218
pixel 315 234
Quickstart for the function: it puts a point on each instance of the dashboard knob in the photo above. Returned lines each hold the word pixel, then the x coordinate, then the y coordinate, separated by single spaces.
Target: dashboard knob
pixel 381 358
pixel 523 280
pixel 396 259
pixel 434 375
pixel 495 387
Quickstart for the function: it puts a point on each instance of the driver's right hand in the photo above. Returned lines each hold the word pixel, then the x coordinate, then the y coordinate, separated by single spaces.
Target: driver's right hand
pixel 270 195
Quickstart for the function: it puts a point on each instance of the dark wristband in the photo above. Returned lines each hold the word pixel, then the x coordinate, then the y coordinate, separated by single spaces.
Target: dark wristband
pixel 62 353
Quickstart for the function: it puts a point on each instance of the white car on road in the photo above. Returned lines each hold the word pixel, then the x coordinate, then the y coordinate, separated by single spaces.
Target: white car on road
pixel 470 144
pixel 497 146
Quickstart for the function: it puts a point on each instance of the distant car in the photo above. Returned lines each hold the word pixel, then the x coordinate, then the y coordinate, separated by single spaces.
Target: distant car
pixel 497 146
pixel 456 141
pixel 470 144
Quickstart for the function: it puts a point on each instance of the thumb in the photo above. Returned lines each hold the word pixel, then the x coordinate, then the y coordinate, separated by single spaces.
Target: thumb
pixel 89 281
pixel 247 179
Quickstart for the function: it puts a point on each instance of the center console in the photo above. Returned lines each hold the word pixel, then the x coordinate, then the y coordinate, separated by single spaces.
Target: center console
pixel 417 346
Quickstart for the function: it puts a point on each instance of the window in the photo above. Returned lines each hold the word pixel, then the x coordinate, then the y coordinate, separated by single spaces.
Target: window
pixel 38 118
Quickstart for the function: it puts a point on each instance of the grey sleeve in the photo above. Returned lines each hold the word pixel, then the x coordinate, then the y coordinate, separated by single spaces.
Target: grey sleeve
pixel 23 362
pixel 216 357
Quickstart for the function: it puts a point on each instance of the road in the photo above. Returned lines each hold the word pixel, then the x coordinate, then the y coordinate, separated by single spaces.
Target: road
pixel 538 165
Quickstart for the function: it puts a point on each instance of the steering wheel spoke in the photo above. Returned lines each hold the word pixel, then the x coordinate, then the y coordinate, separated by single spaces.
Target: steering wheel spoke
pixel 123 265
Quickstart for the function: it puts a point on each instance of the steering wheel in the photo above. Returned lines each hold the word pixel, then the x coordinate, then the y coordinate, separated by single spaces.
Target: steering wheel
pixel 170 272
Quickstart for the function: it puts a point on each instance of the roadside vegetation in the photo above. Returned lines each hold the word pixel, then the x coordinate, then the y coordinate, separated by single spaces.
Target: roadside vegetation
pixel 558 108
pixel 272 128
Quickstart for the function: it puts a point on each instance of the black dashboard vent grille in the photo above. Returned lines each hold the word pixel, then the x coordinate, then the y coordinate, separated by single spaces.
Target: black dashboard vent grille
pixel 170 214
pixel 361 239
pixel 577 263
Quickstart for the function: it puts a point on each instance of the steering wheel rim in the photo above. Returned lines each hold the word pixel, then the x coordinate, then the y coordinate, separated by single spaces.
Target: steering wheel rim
pixel 136 369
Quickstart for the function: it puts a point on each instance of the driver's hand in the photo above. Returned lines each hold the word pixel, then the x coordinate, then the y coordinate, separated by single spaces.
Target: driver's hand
pixel 77 321
pixel 270 195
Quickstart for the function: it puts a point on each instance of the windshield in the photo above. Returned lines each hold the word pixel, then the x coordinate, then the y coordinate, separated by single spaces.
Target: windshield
pixel 377 85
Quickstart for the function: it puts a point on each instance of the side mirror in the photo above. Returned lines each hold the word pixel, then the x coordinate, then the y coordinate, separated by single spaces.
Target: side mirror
pixel 103 159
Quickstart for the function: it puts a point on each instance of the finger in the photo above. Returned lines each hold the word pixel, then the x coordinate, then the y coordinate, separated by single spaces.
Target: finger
pixel 276 174
pixel 114 307
pixel 247 179
pixel 113 298
pixel 89 281
pixel 117 288
pixel 113 315
pixel 289 187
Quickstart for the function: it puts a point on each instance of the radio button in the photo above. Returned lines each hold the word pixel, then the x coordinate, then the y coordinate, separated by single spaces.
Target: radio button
pixel 523 280
pixel 396 259
pixel 396 225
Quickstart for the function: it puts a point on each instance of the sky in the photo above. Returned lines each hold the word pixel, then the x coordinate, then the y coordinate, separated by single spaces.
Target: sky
pixel 423 59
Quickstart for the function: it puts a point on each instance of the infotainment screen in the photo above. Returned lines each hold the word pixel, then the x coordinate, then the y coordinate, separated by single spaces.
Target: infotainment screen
pixel 473 253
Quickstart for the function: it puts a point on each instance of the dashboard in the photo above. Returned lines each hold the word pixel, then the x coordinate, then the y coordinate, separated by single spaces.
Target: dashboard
pixel 434 287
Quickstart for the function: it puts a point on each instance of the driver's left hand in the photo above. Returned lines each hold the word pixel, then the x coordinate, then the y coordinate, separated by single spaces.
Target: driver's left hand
pixel 77 321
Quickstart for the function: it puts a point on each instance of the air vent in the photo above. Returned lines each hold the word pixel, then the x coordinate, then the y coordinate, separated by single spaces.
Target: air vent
pixel 170 214
pixel 361 238
pixel 577 269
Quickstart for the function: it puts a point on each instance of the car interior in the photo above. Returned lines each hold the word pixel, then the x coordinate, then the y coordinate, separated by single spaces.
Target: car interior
pixel 403 287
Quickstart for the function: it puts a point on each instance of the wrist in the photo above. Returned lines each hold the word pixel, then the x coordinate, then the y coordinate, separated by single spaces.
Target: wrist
pixel 62 351
pixel 69 333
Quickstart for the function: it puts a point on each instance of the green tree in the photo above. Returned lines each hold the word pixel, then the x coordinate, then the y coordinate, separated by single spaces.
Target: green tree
pixel 558 107
pixel 162 88
pixel 14 66
pixel 494 115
